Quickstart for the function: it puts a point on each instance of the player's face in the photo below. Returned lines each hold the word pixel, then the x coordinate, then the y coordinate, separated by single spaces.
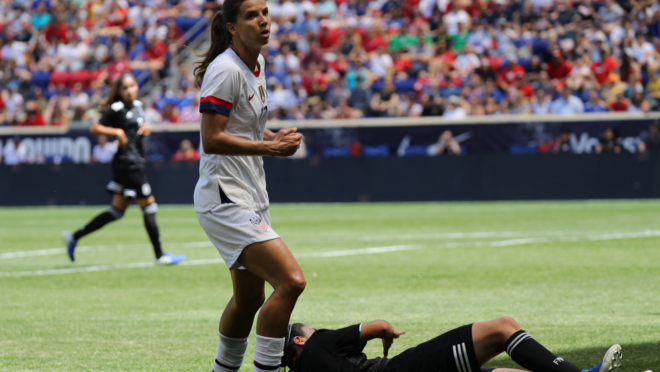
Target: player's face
pixel 253 23
pixel 128 90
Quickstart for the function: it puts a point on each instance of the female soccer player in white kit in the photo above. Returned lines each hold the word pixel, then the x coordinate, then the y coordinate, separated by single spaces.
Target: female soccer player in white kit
pixel 230 198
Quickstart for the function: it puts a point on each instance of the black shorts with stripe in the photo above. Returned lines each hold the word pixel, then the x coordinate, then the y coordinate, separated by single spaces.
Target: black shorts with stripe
pixel 452 351
pixel 130 183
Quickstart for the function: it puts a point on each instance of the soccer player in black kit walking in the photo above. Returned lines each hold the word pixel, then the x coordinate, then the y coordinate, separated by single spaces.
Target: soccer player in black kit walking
pixel 122 116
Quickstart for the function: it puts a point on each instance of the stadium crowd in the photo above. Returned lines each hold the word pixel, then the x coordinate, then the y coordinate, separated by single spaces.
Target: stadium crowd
pixel 344 58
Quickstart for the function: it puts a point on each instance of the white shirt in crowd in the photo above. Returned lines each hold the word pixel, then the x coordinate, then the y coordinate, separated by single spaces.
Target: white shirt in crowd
pixel 455 113
pixel 80 99
pixel 104 154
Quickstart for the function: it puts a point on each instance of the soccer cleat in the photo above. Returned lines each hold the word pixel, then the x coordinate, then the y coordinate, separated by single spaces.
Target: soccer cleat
pixel 170 259
pixel 611 360
pixel 70 243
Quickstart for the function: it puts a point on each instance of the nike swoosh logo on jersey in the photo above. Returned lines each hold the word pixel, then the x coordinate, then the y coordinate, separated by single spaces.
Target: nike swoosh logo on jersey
pixel 250 98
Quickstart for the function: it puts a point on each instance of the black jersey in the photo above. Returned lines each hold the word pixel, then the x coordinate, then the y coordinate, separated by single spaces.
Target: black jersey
pixel 130 120
pixel 337 351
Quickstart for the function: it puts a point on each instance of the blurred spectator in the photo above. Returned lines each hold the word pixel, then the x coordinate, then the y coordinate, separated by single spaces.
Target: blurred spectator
pixel 15 152
pixel 78 97
pixel 637 102
pixel 104 151
pixel 360 96
pixel 541 103
pixel 58 104
pixel 186 152
pixel 594 104
pixel 170 114
pixel 386 102
pixel 651 140
pixel 619 104
pixel 454 109
pixel 190 114
pixel 563 143
pixel 33 117
pixel 446 145
pixel 344 111
pixel 567 104
pixel 409 107
pixel 608 143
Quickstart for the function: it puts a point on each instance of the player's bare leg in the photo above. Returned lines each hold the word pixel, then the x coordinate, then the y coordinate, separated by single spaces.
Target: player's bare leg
pixel 493 337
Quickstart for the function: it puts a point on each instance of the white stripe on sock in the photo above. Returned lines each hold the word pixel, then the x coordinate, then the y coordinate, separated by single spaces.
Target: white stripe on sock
pixel 517 342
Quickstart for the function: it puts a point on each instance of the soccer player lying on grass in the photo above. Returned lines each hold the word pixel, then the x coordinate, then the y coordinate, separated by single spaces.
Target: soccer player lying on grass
pixel 464 349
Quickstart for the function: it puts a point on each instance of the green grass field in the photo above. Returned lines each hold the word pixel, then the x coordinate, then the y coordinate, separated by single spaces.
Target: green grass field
pixel 578 276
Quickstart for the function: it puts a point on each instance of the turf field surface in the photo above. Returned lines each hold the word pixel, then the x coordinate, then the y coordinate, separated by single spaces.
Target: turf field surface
pixel 578 276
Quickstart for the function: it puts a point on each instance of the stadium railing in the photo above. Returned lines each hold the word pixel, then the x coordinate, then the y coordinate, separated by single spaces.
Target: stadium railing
pixel 369 122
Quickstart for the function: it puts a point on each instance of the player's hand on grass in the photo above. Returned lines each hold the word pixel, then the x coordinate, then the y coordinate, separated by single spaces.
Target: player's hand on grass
pixel 286 142
pixel 389 340
pixel 144 130
pixel 121 137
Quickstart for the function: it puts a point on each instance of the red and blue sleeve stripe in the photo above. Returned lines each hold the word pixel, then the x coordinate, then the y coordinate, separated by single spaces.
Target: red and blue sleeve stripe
pixel 216 104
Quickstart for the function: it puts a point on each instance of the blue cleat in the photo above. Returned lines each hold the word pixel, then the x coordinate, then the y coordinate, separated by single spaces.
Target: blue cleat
pixel 611 360
pixel 70 243
pixel 169 259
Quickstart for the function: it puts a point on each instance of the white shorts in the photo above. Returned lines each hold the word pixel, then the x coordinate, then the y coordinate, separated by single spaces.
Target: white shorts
pixel 232 227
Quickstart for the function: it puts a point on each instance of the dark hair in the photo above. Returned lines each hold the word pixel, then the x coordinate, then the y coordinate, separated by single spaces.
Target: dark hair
pixel 220 35
pixel 115 91
pixel 290 357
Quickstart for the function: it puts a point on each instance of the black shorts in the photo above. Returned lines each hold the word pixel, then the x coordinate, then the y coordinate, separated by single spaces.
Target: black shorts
pixel 130 183
pixel 452 351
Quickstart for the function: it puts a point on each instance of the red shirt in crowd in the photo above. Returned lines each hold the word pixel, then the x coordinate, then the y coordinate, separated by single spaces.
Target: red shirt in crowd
pixel 510 74
pixel 558 71
pixel 118 18
pixel 373 43
pixel 329 37
pixel 34 119
pixel 115 69
pixel 603 69
pixel 182 156
pixel 59 31
pixel 619 105
pixel 156 50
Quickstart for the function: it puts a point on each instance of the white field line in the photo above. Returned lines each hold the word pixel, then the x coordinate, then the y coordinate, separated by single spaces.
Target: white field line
pixel 88 248
pixel 473 235
pixel 374 250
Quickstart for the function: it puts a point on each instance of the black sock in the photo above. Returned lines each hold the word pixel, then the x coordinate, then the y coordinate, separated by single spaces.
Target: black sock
pixel 98 222
pixel 529 354
pixel 152 228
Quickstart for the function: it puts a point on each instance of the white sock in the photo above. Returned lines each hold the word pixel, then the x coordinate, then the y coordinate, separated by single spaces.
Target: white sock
pixel 231 352
pixel 268 354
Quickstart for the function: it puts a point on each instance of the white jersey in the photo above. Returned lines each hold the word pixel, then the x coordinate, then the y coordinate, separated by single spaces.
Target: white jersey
pixel 231 89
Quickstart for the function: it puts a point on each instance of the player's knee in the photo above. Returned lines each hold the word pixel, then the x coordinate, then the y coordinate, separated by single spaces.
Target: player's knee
pixel 508 326
pixel 116 213
pixel 295 285
pixel 150 209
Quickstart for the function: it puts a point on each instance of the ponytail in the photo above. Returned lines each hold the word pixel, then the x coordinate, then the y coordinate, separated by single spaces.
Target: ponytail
pixel 220 36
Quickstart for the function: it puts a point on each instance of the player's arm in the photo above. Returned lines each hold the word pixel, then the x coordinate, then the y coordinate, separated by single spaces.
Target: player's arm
pixel 98 129
pixel 216 141
pixel 268 135
pixel 380 329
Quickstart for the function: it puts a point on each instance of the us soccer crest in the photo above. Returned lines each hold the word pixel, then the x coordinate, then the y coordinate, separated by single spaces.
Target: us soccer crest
pixel 262 93
pixel 257 222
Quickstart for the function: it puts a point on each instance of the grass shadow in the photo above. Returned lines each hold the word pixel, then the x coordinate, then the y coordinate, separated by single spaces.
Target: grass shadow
pixel 636 358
